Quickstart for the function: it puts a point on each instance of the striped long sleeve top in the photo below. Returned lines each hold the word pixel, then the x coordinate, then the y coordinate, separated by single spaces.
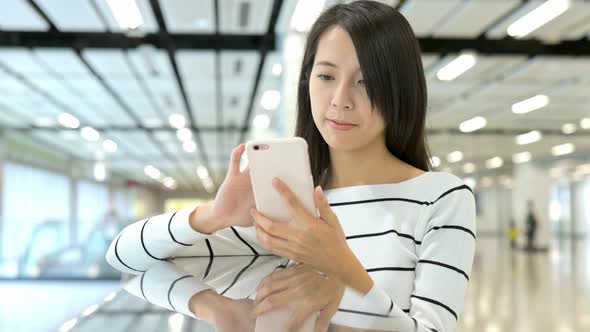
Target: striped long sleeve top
pixel 415 238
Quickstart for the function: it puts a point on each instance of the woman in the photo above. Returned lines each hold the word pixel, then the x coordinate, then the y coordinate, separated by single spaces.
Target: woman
pixel 401 237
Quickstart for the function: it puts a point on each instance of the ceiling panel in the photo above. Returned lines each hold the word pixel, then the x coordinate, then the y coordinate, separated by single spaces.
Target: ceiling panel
pixel 181 16
pixel 149 21
pixel 425 15
pixel 473 17
pixel 108 62
pixel 244 17
pixel 72 15
pixel 63 61
pixel 19 15
pixel 550 69
pixel 22 61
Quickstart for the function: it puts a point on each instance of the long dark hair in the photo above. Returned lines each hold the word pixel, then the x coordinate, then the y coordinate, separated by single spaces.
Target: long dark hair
pixel 390 59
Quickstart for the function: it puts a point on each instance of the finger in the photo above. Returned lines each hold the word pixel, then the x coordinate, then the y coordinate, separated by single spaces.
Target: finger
pixel 236 155
pixel 271 288
pixel 246 170
pixel 326 212
pixel 273 302
pixel 323 321
pixel 275 245
pixel 278 281
pixel 289 198
pixel 278 229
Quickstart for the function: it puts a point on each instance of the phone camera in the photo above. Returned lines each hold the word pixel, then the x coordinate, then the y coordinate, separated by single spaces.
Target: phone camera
pixel 256 147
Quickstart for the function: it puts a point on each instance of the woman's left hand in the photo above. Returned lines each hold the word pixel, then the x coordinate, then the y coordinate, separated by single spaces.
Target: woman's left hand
pixel 304 291
pixel 318 242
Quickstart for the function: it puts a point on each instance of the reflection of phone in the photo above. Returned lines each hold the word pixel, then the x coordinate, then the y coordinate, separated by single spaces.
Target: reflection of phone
pixel 288 160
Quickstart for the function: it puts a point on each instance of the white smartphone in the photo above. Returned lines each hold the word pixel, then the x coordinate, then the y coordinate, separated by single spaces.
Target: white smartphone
pixel 288 160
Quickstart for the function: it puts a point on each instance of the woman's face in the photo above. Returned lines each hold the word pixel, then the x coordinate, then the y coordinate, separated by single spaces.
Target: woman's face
pixel 339 101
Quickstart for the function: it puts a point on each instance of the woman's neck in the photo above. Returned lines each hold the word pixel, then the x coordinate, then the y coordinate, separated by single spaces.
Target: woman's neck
pixel 366 166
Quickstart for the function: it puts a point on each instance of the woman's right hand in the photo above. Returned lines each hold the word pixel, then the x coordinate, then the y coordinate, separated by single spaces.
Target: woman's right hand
pixel 234 198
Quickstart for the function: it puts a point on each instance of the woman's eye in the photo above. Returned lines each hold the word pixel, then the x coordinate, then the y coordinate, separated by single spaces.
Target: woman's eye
pixel 325 77
pixel 361 82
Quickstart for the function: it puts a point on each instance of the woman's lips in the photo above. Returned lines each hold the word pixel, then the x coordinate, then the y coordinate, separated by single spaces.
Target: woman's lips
pixel 340 126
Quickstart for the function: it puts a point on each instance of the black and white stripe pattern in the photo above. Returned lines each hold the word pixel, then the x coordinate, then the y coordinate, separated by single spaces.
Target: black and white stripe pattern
pixel 416 241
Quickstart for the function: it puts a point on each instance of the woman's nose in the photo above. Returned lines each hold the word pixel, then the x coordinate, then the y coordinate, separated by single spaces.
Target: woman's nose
pixel 342 97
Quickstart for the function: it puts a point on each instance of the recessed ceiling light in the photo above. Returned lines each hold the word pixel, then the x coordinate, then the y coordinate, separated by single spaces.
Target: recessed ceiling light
pixel 537 17
pixel 528 138
pixel 455 156
pixel 531 104
pixel 457 67
pixel 90 134
pixel 69 121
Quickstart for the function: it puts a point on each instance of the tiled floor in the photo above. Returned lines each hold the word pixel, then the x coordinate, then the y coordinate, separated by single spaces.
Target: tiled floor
pixel 509 291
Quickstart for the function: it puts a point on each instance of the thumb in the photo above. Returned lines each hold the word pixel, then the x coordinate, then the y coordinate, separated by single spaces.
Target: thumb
pixel 323 321
pixel 324 208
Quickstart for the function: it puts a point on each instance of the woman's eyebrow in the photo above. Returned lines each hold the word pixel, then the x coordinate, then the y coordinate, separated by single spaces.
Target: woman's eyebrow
pixel 330 64
pixel 326 63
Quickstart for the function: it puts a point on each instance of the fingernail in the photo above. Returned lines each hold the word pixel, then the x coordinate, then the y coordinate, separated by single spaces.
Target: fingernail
pixel 275 182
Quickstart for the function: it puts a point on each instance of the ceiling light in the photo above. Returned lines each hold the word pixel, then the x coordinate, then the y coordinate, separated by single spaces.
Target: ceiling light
pixel 455 156
pixel 126 13
pixel 569 128
pixel 69 121
pixel 455 68
pixel 585 123
pixel 270 100
pixel 202 172
pixel 90 134
pixel 486 181
pixel 277 69
pixel 109 146
pixel 189 146
pixel 184 134
pixel 435 161
pixel 90 310
pixel 562 149
pixel 521 157
pixel 495 162
pixel 537 18
pixel 67 326
pixel 473 124
pixel 261 121
pixel 100 171
pixel 469 168
pixel 177 120
pixel 305 14
pixel 528 138
pixel 506 181
pixel 531 104
pixel 152 172
pixel 583 169
pixel 169 182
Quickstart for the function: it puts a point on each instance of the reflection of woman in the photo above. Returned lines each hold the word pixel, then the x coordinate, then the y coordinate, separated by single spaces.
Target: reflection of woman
pixel 400 237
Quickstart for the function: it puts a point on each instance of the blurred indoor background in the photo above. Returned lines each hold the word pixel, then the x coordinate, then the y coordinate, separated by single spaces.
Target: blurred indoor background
pixel 114 110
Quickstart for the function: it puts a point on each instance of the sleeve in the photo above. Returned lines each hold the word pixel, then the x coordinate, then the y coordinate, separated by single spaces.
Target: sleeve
pixel 442 273
pixel 158 238
pixel 167 286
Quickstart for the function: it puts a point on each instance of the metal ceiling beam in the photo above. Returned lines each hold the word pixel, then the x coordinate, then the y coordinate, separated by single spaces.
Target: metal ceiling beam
pixel 505 46
pixel 270 33
pixel 121 40
pixel 171 46
pixel 267 41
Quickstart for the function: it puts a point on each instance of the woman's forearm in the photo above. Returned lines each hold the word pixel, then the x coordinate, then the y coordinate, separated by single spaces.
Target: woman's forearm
pixel 354 275
pixel 201 220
